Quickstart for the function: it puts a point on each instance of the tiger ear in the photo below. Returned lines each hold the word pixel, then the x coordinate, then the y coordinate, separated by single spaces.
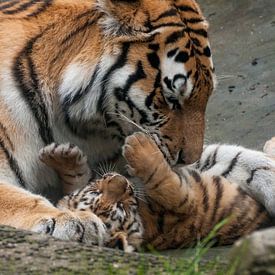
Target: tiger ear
pixel 123 17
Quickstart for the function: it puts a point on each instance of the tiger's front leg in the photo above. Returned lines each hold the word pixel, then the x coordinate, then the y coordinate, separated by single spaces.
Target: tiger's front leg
pixel 24 210
pixel 162 185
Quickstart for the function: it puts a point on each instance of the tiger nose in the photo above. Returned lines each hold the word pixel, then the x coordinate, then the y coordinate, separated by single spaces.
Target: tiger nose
pixel 180 83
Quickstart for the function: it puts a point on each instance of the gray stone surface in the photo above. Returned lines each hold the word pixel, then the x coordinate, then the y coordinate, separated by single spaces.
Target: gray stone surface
pixel 24 252
pixel 255 254
pixel 242 33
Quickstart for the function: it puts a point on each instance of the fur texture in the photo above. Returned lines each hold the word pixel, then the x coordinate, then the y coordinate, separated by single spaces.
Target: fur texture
pixel 177 207
pixel 90 72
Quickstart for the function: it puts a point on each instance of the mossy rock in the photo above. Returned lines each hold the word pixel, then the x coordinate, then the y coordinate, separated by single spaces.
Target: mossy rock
pixel 24 252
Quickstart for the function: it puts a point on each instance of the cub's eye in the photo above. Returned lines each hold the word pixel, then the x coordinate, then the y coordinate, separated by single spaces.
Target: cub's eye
pixel 95 193
pixel 108 225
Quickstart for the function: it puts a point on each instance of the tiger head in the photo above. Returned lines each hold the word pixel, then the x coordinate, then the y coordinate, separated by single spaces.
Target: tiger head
pixel 113 200
pixel 162 75
pixel 151 69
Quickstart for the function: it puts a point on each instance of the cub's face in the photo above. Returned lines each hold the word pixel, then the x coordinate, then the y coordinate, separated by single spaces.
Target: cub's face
pixel 111 198
pixel 162 75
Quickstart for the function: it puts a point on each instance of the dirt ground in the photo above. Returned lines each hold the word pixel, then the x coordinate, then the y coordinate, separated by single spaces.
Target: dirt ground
pixel 242 34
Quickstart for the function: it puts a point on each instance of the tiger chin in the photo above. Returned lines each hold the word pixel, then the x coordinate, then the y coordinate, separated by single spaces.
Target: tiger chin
pixel 176 207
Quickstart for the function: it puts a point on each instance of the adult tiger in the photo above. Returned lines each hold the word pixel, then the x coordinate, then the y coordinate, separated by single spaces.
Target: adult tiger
pixel 70 68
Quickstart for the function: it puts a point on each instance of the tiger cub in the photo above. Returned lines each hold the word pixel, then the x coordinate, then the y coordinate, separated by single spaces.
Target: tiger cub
pixel 180 206
pixel 111 198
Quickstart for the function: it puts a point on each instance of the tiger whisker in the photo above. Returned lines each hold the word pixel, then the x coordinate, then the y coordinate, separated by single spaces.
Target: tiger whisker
pixel 141 199
pixel 97 172
pixel 101 169
pixel 221 77
pixel 139 194
pixel 125 118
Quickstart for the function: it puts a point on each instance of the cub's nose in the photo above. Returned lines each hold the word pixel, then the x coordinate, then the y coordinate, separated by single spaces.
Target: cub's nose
pixel 118 184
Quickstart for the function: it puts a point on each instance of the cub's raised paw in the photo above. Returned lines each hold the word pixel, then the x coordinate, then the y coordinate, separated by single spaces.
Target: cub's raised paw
pixel 70 164
pixel 60 156
pixel 142 155
pixel 269 147
pixel 77 226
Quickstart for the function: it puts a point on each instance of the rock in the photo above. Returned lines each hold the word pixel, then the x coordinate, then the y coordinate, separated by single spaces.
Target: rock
pixel 254 254
pixel 24 252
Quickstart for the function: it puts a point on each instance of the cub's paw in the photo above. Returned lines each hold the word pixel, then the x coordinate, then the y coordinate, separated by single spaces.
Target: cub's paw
pixel 63 156
pixel 142 155
pixel 77 226
pixel 269 147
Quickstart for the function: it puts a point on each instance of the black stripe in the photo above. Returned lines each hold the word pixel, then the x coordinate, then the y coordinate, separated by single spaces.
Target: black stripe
pixel 169 13
pixel 231 166
pixel 206 164
pixel 3 130
pixel 69 101
pixel 205 197
pixel 65 42
pixel 183 202
pixel 21 8
pixel 8 5
pixel 42 8
pixel 81 229
pixel 122 93
pixel 182 57
pixel 195 175
pixel 78 30
pixel 185 8
pixel 130 225
pixel 168 25
pixel 175 36
pixel 151 176
pixel 30 89
pixel 214 158
pixel 253 172
pixel 194 20
pixel 210 161
pixel 200 32
pixel 95 227
pixel 50 230
pixel 238 199
pixel 121 61
pixel 219 193
pixel 133 231
pixel 13 165
pixel 171 53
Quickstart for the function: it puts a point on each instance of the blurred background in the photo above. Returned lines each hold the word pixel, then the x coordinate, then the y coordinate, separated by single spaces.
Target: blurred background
pixel 242 35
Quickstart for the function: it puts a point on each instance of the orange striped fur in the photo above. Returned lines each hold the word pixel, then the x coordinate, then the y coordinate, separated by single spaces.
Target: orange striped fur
pixel 177 207
pixel 90 72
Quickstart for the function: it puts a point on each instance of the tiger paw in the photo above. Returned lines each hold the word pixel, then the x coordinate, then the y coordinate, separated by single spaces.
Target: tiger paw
pixel 269 147
pixel 70 164
pixel 73 226
pixel 142 154
pixel 63 156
